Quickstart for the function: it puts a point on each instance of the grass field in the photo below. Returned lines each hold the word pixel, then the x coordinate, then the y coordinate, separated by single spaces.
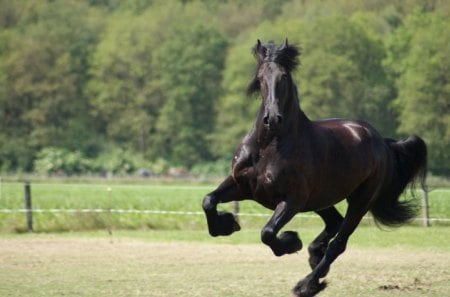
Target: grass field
pixel 183 198
pixel 177 263
pixel 172 255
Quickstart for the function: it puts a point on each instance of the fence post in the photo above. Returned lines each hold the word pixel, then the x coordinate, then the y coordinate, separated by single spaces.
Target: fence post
pixel 426 209
pixel 28 208
pixel 236 209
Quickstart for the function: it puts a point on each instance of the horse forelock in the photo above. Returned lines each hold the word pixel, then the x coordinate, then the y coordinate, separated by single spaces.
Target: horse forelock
pixel 285 55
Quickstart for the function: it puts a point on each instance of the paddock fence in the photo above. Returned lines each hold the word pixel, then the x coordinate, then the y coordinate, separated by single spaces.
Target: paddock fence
pixel 28 211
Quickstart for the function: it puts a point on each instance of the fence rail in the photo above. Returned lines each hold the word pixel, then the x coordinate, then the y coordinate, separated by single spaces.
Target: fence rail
pixel 169 212
pixel 29 211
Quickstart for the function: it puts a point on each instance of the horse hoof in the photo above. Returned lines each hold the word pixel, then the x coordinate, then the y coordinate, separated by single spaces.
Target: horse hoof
pixel 291 242
pixel 308 288
pixel 226 224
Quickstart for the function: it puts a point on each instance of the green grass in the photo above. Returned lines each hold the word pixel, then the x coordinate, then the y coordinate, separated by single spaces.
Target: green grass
pixel 171 255
pixel 412 237
pixel 170 197
pixel 103 196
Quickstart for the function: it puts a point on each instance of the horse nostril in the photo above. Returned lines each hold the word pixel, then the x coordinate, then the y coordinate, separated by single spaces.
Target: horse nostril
pixel 269 121
pixel 279 119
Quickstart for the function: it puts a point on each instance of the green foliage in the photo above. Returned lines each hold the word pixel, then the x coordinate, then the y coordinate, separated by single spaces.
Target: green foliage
pixel 166 80
pixel 118 161
pixel 218 168
pixel 419 62
pixel 44 68
pixel 158 166
pixel 342 74
pixel 187 116
pixel 235 112
pixel 123 101
pixel 51 161
pixel 62 162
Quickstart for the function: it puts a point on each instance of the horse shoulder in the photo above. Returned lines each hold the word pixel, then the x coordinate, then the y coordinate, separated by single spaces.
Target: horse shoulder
pixel 245 157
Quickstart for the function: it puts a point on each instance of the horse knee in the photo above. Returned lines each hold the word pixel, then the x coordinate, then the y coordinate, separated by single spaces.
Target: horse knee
pixel 267 235
pixel 208 203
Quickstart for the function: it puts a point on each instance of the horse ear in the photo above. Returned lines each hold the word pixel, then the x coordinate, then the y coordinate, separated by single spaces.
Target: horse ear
pixel 260 51
pixel 288 55
pixel 284 45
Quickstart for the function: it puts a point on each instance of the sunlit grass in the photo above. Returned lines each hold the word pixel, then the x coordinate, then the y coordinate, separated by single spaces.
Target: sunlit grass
pixel 164 197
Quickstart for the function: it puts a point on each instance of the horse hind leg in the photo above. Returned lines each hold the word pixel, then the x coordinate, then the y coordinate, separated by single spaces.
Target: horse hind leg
pixel 333 220
pixel 311 285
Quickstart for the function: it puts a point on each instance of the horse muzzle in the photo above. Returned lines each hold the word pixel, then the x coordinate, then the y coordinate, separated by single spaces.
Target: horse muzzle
pixel 272 121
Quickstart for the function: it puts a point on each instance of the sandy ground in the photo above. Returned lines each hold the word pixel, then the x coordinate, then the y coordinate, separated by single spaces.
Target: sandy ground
pixel 46 265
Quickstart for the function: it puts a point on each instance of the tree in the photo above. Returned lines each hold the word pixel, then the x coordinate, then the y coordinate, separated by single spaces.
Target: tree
pixel 418 59
pixel 121 90
pixel 45 69
pixel 342 73
pixel 189 63
pixel 154 89
pixel 235 112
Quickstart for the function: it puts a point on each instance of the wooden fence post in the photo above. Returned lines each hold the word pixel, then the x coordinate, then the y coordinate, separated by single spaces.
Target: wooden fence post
pixel 236 210
pixel 28 208
pixel 426 209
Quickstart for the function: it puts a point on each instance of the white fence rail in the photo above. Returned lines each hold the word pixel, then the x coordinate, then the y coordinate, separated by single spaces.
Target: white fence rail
pixel 28 211
pixel 164 212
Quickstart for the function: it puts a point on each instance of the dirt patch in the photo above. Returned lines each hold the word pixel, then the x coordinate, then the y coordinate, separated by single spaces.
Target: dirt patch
pixel 57 266
pixel 417 285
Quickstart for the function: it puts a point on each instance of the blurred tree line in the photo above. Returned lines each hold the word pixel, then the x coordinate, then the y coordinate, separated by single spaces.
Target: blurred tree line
pixel 111 85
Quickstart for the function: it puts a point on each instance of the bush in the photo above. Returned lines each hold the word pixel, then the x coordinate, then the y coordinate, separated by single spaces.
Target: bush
pixel 119 162
pixel 159 166
pixel 217 168
pixel 53 160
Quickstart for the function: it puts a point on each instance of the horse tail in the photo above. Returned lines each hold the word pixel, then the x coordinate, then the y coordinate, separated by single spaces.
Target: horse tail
pixel 409 165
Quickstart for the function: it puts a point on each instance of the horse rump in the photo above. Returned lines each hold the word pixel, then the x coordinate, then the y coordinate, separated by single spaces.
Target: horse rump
pixel 409 166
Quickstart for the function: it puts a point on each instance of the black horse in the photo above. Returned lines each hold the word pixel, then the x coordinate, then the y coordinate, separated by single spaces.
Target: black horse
pixel 291 164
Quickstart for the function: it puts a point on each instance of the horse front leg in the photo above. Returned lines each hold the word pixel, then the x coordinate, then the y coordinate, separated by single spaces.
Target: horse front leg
pixel 288 242
pixel 222 223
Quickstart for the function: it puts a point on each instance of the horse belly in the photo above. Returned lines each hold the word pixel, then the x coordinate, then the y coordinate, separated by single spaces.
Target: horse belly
pixel 321 202
pixel 333 189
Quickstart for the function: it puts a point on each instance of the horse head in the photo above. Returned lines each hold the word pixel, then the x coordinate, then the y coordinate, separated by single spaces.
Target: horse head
pixel 274 81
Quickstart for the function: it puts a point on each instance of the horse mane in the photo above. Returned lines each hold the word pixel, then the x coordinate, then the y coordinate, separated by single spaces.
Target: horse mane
pixel 285 55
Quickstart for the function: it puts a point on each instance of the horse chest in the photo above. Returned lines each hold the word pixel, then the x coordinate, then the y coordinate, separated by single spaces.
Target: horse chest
pixel 271 184
pixel 262 182
pixel 266 176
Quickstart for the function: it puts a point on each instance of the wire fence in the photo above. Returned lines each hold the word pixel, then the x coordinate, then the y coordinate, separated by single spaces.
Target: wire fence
pixel 168 212
pixel 29 211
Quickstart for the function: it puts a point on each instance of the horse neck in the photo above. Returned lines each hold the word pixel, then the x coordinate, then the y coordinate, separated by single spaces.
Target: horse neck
pixel 294 121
